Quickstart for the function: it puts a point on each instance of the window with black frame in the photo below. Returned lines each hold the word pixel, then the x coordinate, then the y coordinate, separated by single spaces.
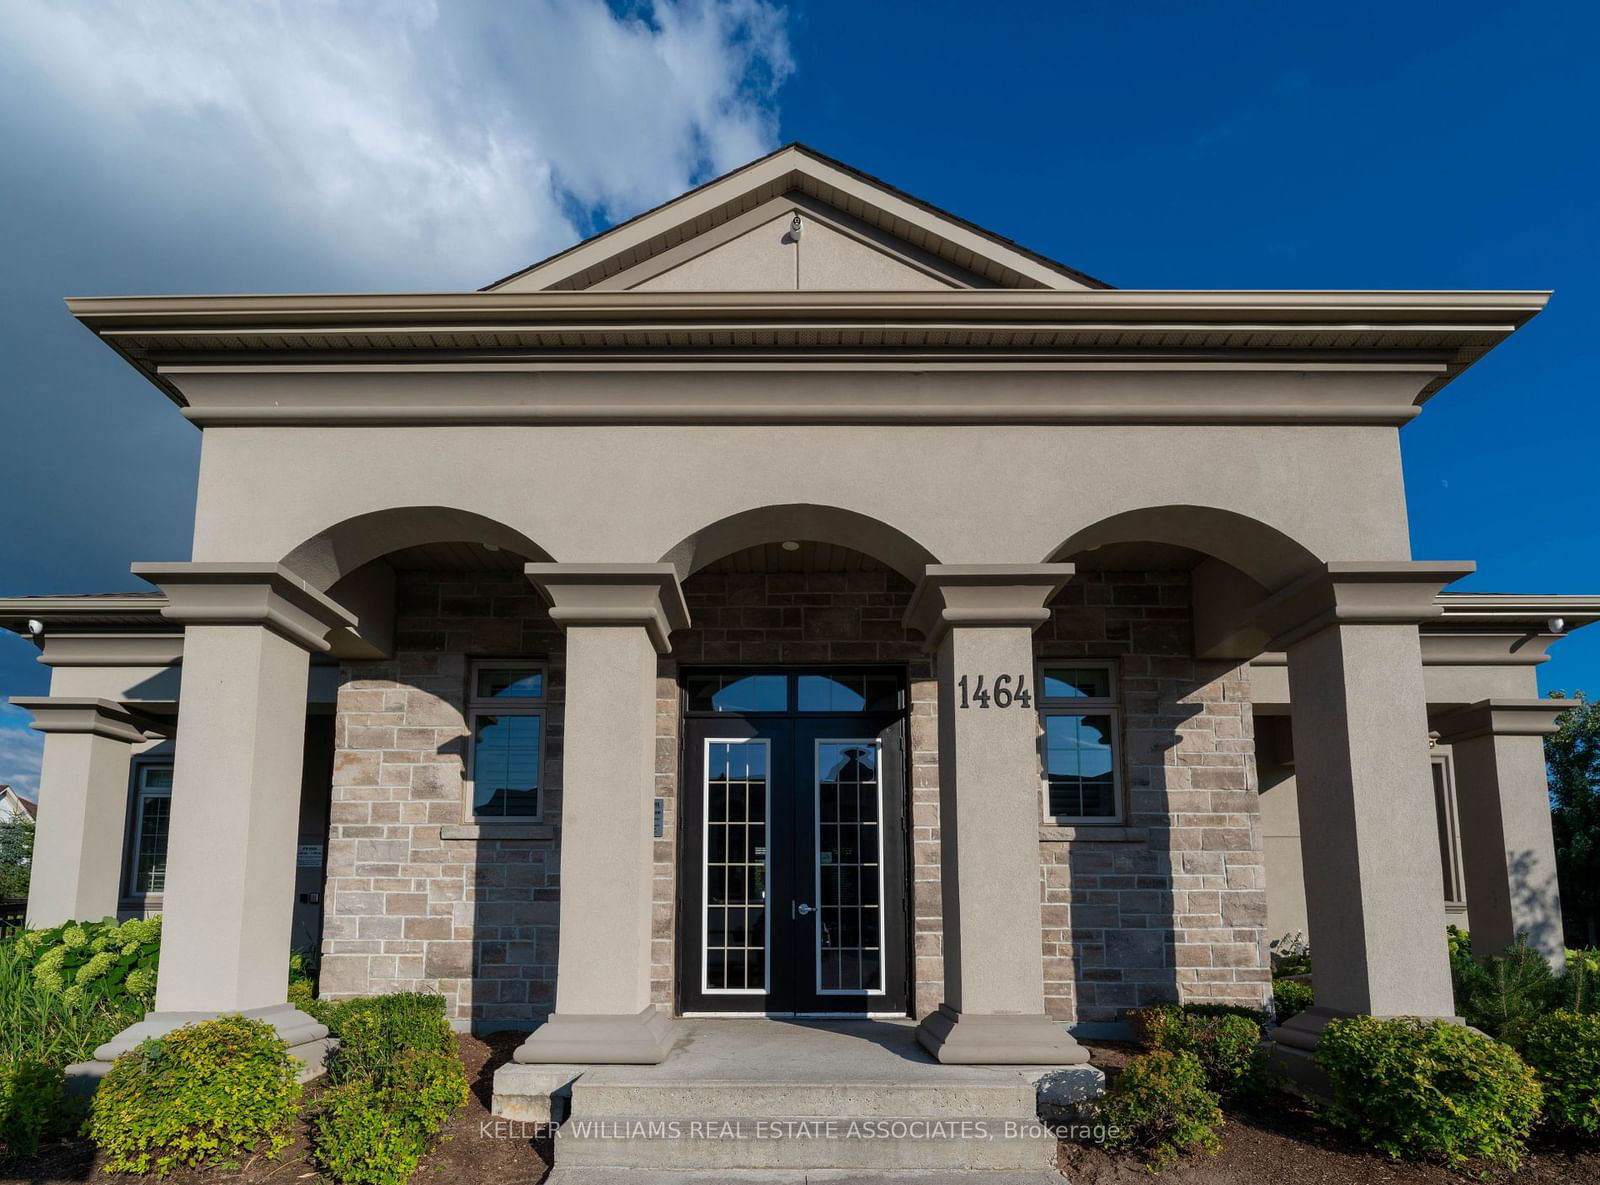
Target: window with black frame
pixel 152 821
pixel 505 717
pixel 1078 724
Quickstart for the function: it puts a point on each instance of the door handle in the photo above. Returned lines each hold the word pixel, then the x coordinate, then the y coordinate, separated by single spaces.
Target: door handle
pixel 805 909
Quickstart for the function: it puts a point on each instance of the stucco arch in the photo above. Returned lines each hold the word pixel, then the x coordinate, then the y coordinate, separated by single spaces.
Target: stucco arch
pixel 821 524
pixel 340 549
pixel 1263 553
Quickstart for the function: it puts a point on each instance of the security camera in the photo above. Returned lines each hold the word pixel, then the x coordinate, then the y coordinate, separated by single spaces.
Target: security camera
pixel 1558 625
pixel 795 228
pixel 35 626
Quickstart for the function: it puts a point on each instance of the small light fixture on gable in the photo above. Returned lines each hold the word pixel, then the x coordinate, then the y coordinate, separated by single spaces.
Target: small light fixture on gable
pixel 789 545
pixel 795 228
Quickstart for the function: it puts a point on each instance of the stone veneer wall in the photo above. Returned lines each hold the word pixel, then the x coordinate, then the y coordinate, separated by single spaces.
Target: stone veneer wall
pixel 1173 905
pixel 1170 906
pixel 408 910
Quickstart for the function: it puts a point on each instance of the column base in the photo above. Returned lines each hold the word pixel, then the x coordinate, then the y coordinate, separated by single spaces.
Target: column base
pixel 998 1039
pixel 640 1039
pixel 306 1037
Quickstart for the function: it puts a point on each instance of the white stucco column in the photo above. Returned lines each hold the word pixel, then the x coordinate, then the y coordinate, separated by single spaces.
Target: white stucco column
pixel 248 633
pixel 1503 800
pixel 76 873
pixel 617 618
pixel 1365 791
pixel 979 622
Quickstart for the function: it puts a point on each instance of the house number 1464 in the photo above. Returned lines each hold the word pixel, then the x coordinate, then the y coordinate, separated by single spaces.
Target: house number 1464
pixel 1002 694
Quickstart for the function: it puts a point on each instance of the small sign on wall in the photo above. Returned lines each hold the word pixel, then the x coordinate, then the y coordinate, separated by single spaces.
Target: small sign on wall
pixel 308 855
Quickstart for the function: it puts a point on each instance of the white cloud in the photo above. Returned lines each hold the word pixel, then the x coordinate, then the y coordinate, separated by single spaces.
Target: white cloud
pixel 21 750
pixel 444 143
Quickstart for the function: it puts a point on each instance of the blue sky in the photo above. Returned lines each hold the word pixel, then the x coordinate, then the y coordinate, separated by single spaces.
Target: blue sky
pixel 237 145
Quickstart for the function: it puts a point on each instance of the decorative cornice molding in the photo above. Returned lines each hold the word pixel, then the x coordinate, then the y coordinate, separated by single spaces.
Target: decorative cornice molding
pixel 975 596
pixel 265 595
pixel 1502 717
pixel 1429 336
pixel 1389 592
pixel 111 649
pixel 96 717
pixel 647 596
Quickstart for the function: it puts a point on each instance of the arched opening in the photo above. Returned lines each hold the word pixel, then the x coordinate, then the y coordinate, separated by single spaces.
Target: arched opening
pixel 801 523
pixel 797 678
pixel 457 537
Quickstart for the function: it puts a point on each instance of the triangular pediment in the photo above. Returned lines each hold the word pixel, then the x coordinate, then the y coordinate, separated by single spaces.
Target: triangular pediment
pixel 738 233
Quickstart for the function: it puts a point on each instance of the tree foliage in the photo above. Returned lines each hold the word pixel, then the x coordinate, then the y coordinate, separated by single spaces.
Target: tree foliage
pixel 16 852
pixel 1572 759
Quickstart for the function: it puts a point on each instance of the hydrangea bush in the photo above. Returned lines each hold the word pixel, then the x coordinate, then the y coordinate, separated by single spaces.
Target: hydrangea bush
pixel 87 961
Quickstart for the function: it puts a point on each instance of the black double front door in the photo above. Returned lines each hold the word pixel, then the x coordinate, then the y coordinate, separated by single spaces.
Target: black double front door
pixel 793 892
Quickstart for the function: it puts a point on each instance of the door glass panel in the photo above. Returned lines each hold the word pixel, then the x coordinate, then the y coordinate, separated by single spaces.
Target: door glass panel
pixel 735 905
pixel 1077 683
pixel 849 868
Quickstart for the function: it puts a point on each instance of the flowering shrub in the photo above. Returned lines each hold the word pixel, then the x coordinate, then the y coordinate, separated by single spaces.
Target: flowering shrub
pixel 87 961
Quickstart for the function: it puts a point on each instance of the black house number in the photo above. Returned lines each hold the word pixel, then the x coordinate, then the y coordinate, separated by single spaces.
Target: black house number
pixel 1001 693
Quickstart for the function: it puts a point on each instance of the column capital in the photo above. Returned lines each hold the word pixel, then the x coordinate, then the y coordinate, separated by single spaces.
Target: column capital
pixel 97 717
pixel 1502 718
pixel 644 595
pixel 1345 592
pixel 974 595
pixel 262 594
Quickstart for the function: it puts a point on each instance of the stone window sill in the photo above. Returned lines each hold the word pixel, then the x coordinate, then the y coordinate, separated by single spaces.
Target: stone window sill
pixel 1093 833
pixel 497 831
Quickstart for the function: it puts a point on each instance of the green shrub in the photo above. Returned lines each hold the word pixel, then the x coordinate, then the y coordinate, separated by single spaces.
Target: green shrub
pixel 1578 987
pixel 1505 993
pixel 196 1095
pixel 1428 1090
pixel 374 1031
pixel 85 961
pixel 44 1025
pixel 1564 1051
pixel 1225 1039
pixel 396 1081
pixel 1160 1106
pixel 369 1134
pixel 1291 997
pixel 32 1107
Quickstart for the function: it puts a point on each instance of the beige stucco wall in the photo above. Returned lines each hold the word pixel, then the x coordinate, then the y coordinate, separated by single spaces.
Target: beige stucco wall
pixel 965 494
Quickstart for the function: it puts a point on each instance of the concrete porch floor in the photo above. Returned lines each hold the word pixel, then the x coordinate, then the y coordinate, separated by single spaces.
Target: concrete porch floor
pixel 775 1099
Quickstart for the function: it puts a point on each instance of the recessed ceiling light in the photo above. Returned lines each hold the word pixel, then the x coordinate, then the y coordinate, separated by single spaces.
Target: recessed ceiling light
pixel 491 547
pixel 790 545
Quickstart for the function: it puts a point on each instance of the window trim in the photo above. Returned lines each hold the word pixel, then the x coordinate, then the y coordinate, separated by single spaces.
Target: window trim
pixel 137 795
pixel 1443 759
pixel 1108 705
pixel 476 706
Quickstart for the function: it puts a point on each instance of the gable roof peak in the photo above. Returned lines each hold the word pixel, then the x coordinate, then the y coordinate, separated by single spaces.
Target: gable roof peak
pixel 797 169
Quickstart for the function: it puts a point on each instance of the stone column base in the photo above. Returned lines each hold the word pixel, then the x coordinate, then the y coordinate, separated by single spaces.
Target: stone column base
pixel 640 1039
pixel 307 1039
pixel 1003 1039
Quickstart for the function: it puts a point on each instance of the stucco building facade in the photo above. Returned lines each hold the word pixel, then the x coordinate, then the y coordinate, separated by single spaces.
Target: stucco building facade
pixel 799 601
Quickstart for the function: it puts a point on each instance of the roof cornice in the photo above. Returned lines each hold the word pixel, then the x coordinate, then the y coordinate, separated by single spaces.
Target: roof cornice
pixel 1426 336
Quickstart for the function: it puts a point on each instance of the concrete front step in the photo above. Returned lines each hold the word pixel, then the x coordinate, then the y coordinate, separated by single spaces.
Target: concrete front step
pixel 609 1094
pixel 802 1143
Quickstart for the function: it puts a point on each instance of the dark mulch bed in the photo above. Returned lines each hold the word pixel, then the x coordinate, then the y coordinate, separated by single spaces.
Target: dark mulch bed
pixel 475 1147
pixel 1284 1142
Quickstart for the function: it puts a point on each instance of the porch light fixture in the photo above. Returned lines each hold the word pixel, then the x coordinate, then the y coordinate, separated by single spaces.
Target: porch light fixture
pixel 789 545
